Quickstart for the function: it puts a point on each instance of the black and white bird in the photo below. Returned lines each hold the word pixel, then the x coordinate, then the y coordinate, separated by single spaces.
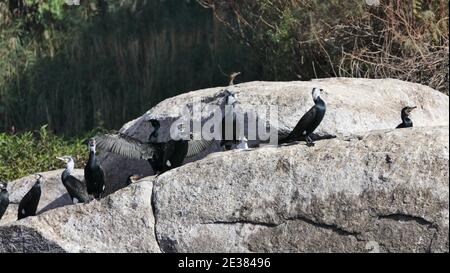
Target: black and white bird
pixel 162 156
pixel 309 122
pixel 406 120
pixel 4 198
pixel 230 128
pixel 77 189
pixel 93 172
pixel 29 203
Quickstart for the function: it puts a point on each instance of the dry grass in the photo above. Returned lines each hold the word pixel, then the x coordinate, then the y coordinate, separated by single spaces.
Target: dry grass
pixel 406 40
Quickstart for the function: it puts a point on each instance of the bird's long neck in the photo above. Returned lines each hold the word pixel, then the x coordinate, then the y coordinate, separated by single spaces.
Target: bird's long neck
pixel 319 102
pixel 68 171
pixel 405 118
pixel 229 109
pixel 407 121
pixel 92 159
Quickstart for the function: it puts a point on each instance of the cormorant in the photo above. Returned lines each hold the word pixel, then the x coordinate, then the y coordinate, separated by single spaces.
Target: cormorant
pixel 132 179
pixel 229 119
pixel 162 156
pixel 233 76
pixel 93 173
pixel 406 121
pixel 4 199
pixel 309 122
pixel 77 190
pixel 29 203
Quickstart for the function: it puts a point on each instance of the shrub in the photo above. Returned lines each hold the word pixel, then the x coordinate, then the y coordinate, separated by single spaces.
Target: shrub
pixel 307 39
pixel 31 152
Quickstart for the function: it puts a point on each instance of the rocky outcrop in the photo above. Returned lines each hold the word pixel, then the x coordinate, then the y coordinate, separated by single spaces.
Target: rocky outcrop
pixel 382 191
pixel 354 106
pixel 54 194
pixel 122 222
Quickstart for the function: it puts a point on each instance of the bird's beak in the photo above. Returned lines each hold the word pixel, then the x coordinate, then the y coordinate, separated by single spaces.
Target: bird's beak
pixel 60 158
pixel 411 108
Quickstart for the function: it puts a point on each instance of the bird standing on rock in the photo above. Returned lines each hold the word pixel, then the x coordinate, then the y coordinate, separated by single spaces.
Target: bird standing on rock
pixel 229 126
pixel 309 122
pixel 29 203
pixel 93 173
pixel 77 190
pixel 406 121
pixel 4 198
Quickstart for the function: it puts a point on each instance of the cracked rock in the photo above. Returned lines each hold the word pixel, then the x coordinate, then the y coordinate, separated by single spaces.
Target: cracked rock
pixel 337 196
pixel 121 222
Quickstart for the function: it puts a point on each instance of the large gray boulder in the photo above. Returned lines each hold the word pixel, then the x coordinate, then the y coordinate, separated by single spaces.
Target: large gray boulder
pixel 54 194
pixel 383 191
pixel 371 189
pixel 122 222
pixel 354 106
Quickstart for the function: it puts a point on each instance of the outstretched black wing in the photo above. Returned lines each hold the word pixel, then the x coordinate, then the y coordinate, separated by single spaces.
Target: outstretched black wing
pixel 124 145
pixel 197 146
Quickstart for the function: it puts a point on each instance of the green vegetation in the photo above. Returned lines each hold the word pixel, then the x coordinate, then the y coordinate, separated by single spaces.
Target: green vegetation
pixel 32 152
pixel 307 39
pixel 104 63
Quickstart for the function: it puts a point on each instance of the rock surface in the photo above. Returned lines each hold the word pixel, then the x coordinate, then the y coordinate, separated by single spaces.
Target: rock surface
pixel 353 106
pixel 383 191
pixel 54 194
pixel 122 222
pixel 372 189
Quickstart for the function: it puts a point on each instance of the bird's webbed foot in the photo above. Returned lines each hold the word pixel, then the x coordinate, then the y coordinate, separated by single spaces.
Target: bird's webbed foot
pixel 309 142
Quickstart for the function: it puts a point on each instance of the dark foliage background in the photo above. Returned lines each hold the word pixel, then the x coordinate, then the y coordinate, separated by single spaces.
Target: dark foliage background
pixel 103 63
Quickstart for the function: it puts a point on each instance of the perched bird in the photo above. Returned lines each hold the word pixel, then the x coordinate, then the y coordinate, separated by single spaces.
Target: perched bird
pixel 230 128
pixel 77 190
pixel 309 122
pixel 4 198
pixel 233 76
pixel 29 203
pixel 132 179
pixel 93 173
pixel 162 156
pixel 406 121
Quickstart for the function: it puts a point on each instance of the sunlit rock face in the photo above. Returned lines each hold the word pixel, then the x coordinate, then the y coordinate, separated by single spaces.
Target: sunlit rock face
pixel 353 106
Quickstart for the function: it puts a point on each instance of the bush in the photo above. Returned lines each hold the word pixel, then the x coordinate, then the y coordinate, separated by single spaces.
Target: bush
pixel 306 39
pixel 32 152
pixel 103 63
